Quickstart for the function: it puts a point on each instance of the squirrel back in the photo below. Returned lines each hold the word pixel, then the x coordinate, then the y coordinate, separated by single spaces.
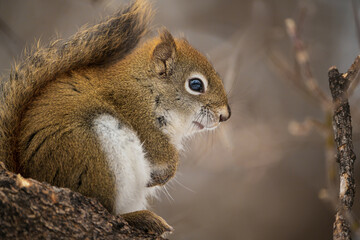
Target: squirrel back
pixel 110 40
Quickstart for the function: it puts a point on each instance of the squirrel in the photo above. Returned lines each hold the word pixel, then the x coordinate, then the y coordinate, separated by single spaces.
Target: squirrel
pixel 106 116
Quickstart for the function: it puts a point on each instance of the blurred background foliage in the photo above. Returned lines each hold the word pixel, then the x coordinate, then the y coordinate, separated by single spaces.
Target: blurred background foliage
pixel 252 178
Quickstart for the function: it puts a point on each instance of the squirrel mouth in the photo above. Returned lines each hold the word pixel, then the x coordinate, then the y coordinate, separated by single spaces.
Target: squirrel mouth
pixel 199 125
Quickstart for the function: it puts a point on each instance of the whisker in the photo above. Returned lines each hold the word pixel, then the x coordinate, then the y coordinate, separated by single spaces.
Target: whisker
pixel 203 115
pixel 208 132
pixel 182 185
pixel 196 118
pixel 191 126
pixel 167 193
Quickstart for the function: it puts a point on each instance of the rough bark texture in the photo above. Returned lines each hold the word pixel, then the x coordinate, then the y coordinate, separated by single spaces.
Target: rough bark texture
pixel 33 210
pixel 339 84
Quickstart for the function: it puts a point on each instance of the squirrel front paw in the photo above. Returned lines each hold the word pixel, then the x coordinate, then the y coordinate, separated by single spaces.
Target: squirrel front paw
pixel 148 222
pixel 159 179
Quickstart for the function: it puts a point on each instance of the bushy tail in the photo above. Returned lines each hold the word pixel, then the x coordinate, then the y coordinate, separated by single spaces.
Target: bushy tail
pixel 109 40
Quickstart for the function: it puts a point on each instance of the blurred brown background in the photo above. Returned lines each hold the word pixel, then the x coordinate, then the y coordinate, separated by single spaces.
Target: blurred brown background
pixel 251 179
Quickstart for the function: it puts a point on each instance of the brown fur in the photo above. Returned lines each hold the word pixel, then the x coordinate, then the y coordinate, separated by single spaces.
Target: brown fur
pixel 52 97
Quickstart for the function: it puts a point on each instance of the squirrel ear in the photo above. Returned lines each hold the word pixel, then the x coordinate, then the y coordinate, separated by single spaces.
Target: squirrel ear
pixel 164 54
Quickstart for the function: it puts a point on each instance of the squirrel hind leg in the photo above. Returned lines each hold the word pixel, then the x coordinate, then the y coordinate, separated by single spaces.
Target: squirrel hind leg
pixel 148 222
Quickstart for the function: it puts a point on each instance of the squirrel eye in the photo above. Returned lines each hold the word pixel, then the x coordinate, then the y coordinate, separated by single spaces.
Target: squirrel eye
pixel 196 85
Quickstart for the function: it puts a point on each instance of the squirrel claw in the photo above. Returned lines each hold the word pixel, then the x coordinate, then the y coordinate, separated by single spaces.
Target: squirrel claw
pixel 148 222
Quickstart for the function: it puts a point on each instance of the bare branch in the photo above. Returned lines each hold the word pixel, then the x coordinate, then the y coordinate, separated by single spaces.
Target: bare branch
pixel 284 70
pixel 356 18
pixel 302 58
pixel 304 128
pixel 339 84
pixel 34 210
pixel 353 75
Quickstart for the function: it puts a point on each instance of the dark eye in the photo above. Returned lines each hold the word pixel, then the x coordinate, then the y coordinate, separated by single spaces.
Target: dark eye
pixel 196 85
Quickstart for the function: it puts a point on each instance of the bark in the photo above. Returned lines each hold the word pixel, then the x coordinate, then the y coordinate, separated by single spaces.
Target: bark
pixel 33 210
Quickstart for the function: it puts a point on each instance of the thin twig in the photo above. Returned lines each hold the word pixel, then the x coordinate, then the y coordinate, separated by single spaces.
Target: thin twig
pixel 305 127
pixel 356 18
pixel 302 58
pixel 353 76
pixel 280 65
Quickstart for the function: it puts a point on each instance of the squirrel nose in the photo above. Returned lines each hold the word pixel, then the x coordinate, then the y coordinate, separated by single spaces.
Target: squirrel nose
pixel 225 113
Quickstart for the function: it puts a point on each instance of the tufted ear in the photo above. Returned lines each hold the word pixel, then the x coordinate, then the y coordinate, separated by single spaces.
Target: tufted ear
pixel 164 55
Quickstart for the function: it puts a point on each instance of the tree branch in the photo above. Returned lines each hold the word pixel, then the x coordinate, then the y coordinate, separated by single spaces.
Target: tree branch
pixel 339 84
pixel 33 210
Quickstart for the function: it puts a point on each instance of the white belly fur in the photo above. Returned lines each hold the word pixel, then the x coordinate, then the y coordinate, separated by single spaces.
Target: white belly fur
pixel 126 159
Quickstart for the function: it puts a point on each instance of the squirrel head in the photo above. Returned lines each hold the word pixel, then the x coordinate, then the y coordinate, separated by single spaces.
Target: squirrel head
pixel 190 94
